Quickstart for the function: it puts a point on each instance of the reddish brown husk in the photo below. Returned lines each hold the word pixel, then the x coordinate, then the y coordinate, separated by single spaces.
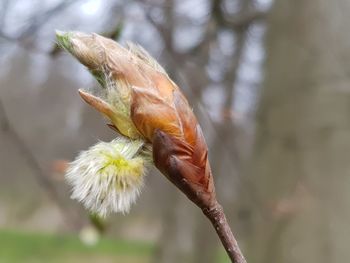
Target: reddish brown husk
pixel 181 154
pixel 179 148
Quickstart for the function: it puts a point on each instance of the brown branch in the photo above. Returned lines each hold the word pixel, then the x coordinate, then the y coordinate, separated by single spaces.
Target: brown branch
pixel 247 15
pixel 246 19
pixel 217 217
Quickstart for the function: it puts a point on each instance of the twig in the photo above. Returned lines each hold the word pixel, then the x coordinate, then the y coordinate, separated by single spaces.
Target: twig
pixel 217 217
pixel 244 18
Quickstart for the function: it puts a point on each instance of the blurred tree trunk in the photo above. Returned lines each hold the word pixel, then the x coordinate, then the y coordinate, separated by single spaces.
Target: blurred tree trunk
pixel 301 164
pixel 175 240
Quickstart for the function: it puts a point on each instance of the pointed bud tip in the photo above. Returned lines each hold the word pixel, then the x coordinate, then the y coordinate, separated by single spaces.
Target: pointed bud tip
pixel 81 92
pixel 87 97
pixel 97 103
pixel 64 39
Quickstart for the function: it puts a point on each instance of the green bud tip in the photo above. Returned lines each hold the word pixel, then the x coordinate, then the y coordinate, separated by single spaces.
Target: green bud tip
pixel 64 39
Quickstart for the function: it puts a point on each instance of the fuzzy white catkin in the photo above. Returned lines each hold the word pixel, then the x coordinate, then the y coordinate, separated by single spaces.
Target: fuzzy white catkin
pixel 109 176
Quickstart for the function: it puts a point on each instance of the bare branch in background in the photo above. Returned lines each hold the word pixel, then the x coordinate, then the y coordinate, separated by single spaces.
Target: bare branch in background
pixel 38 20
pixel 249 17
pixel 43 180
pixel 239 21
pixel 33 25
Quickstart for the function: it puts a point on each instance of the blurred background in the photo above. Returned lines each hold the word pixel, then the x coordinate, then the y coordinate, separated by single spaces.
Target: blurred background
pixel 270 84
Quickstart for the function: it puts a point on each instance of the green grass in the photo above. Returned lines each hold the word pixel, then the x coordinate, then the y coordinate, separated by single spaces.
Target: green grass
pixel 18 247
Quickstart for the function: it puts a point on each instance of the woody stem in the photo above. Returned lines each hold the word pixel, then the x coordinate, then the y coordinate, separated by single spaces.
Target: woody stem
pixel 217 217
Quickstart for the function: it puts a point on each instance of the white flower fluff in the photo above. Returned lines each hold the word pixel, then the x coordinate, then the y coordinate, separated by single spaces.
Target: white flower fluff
pixel 108 177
